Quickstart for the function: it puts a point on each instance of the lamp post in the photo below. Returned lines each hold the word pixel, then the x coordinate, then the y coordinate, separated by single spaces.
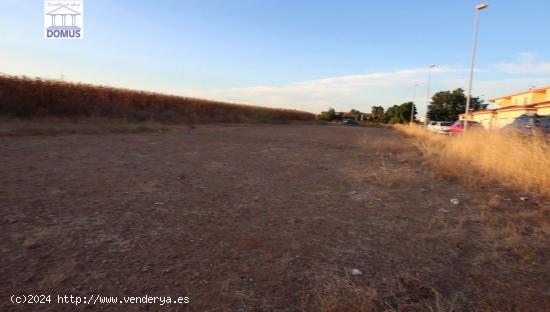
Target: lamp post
pixel 412 104
pixel 479 7
pixel 428 92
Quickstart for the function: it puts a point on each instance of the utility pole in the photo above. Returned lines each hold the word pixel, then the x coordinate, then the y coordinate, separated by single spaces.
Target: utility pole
pixel 412 105
pixel 479 7
pixel 428 93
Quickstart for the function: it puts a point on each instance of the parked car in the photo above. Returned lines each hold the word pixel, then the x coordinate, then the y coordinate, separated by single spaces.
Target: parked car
pixel 530 125
pixel 350 122
pixel 440 126
pixel 458 126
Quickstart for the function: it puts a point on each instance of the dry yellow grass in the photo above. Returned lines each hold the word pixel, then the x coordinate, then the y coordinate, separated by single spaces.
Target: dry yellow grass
pixel 52 126
pixel 499 234
pixel 512 160
pixel 401 293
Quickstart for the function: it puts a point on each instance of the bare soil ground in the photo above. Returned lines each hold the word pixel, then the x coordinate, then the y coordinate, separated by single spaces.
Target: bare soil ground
pixel 257 218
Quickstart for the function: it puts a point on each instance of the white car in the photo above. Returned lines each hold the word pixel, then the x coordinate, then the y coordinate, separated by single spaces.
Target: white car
pixel 440 126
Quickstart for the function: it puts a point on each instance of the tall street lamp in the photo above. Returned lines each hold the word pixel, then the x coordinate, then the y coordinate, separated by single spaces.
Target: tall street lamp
pixel 412 104
pixel 428 93
pixel 479 7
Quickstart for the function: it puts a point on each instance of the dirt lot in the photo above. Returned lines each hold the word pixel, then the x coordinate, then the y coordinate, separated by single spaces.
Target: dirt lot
pixel 252 218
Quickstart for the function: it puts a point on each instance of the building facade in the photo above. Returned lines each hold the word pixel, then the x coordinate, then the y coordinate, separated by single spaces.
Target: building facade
pixel 509 107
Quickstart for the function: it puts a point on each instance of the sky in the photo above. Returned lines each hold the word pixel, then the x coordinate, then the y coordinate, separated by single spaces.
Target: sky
pixel 301 54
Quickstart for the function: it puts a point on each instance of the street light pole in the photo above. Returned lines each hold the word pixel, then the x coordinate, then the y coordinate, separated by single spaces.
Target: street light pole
pixel 428 93
pixel 412 105
pixel 479 7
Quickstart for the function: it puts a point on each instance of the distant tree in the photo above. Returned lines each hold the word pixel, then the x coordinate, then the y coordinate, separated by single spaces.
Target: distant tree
pixel 377 112
pixel 448 105
pixel 398 113
pixel 368 116
pixel 391 115
pixel 355 114
pixel 405 111
pixel 329 115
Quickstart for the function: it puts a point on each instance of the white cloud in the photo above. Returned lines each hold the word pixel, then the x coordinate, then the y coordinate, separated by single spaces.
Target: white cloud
pixel 527 63
pixel 342 93
pixel 388 88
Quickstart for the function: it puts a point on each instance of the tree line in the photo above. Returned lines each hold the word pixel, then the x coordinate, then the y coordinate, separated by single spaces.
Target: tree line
pixel 444 106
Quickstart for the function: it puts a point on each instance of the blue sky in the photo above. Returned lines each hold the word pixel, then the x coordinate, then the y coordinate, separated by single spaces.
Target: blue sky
pixel 295 54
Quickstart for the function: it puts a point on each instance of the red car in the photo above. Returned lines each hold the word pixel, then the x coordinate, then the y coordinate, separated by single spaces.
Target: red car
pixel 458 126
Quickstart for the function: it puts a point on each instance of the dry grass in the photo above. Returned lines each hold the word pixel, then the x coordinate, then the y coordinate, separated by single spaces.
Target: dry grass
pixel 390 154
pixel 23 97
pixel 507 237
pixel 521 232
pixel 504 238
pixel 383 145
pixel 512 160
pixel 53 126
pixel 395 149
pixel 341 294
pixel 345 293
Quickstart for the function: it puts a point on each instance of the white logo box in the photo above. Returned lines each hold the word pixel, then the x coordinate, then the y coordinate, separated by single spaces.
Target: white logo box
pixel 63 19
